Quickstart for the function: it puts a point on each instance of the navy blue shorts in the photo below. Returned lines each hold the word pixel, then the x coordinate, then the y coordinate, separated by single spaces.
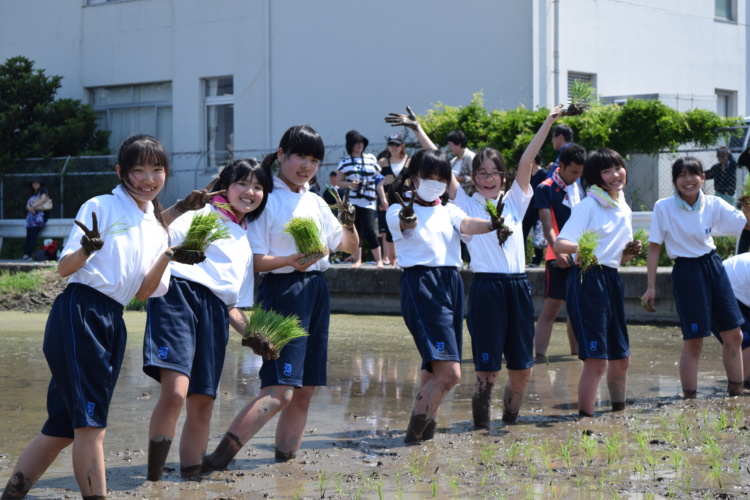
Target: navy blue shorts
pixel 703 296
pixel 501 321
pixel 432 303
pixel 187 331
pixel 596 308
pixel 303 360
pixel 745 326
pixel 84 343
pixel 556 280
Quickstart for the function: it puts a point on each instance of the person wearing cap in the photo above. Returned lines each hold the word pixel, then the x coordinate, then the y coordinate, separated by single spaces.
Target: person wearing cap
pixel 724 174
pixel 35 218
pixel 357 172
pixel 391 166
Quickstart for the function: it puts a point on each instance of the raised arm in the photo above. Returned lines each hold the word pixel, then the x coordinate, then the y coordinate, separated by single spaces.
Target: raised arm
pixel 410 121
pixel 523 176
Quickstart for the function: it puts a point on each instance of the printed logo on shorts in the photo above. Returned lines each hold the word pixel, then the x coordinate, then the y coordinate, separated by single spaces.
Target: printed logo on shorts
pixel 485 357
pixel 593 345
pixel 694 327
pixel 440 347
pixel 163 351
pixel 708 230
pixel 287 369
pixel 90 408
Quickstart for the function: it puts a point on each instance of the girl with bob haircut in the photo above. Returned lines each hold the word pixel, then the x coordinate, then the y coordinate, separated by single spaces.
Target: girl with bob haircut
pixel 288 287
pixel 702 290
pixel 426 233
pixel 84 341
pixel 595 300
pixel 187 329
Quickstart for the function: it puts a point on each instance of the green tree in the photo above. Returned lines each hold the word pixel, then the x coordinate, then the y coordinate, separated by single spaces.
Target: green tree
pixel 34 124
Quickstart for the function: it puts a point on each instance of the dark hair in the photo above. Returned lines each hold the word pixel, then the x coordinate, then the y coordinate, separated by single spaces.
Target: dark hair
pixel 564 131
pixel 33 191
pixel 333 173
pixel 687 164
pixel 598 160
pixel 494 156
pixel 352 138
pixel 240 169
pixel 143 149
pixel 457 137
pixel 573 153
pixel 425 163
pixel 538 159
pixel 297 140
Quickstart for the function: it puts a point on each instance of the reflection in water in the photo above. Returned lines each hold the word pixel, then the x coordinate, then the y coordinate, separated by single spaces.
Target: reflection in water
pixel 373 374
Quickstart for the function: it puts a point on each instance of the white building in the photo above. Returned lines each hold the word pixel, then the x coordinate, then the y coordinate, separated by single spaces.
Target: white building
pixel 212 75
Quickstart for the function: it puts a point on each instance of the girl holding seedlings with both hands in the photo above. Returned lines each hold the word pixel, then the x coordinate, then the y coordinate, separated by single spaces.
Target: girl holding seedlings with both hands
pixel 702 291
pixel 84 341
pixel 595 300
pixel 187 329
pixel 290 287
pixel 426 233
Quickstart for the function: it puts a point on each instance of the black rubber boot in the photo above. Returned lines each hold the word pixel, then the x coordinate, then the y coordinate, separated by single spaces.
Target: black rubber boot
pixel 417 426
pixel 282 457
pixel 158 449
pixel 16 488
pixel 228 447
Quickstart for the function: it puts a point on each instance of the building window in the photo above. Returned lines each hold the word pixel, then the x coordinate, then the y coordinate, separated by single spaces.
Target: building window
pixel 134 109
pixel 580 77
pixel 726 103
pixel 726 10
pixel 219 102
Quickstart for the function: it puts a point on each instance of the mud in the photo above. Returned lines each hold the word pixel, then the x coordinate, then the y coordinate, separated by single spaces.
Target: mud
pixel 353 447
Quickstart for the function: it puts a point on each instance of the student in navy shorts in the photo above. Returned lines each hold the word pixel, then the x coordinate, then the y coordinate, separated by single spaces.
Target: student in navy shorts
pixel 738 271
pixel 702 292
pixel 187 329
pixel 426 233
pixel 595 300
pixel 84 341
pixel 288 287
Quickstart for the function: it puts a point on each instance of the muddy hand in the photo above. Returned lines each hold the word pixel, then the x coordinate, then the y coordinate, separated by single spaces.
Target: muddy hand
pixel 407 215
pixel 196 200
pixel 397 120
pixel 188 257
pixel 346 210
pixel 647 303
pixel 91 241
pixel 633 248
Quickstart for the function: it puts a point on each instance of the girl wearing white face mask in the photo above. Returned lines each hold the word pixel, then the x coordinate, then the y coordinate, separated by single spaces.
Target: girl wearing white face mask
pixel 426 232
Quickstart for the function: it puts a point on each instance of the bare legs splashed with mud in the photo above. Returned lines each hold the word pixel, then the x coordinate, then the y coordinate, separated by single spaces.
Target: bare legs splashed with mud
pixel 435 386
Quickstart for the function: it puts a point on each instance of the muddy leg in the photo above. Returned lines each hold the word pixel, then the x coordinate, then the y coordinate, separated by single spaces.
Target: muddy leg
pixel 158 449
pixel 691 352
pixel 191 470
pixel 282 456
pixel 17 487
pixel 228 447
pixel 735 389
pixel 513 393
pixel 481 400
pixel 617 382
pixel 417 426
pixel 429 430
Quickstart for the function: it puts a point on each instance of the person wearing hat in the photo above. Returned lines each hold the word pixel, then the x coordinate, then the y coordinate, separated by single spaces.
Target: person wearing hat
pixel 35 218
pixel 391 165
pixel 357 172
pixel 724 174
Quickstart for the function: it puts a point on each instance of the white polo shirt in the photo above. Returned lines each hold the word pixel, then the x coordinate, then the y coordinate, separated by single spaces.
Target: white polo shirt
pixel 266 233
pixel 688 234
pixel 613 225
pixel 487 256
pixel 118 269
pixel 435 240
pixel 738 270
pixel 228 268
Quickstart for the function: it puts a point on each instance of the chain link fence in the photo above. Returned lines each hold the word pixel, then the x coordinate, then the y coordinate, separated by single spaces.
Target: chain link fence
pixel 73 180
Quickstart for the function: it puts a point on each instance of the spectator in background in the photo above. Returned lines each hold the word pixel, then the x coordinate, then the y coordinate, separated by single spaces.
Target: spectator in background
pixel 562 137
pixel 35 218
pixel 462 158
pixel 724 174
pixel 538 174
pixel 334 185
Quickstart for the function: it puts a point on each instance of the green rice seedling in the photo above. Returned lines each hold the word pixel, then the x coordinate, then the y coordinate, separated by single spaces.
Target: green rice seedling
pixel 714 471
pixel 337 484
pixel 434 487
pixel 418 464
pixel 642 439
pixel 685 428
pixel 613 445
pixel 739 414
pixel 565 449
pixel 379 489
pixel 722 422
pixel 304 231
pixel 587 244
pixel 117 227
pixel 453 483
pixel 322 483
pixel 583 96
pixel 588 446
pixel 676 458
pixel 204 229
pixel 487 454
pixel 267 332
pixel 512 452
pixel 495 212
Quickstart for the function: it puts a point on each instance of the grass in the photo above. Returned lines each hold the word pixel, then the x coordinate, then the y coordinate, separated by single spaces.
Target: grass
pixel 20 282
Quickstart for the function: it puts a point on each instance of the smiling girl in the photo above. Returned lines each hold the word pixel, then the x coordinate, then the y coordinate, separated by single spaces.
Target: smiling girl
pixel 595 300
pixel 288 287
pixel 187 329
pixel 684 223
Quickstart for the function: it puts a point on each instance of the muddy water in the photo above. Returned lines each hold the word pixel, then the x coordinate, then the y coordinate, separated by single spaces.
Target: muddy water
pixel 356 423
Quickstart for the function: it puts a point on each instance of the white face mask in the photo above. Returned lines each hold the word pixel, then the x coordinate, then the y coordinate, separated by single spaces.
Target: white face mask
pixel 429 189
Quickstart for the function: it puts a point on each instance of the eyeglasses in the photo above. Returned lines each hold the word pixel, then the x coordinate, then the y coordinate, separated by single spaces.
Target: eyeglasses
pixel 486 175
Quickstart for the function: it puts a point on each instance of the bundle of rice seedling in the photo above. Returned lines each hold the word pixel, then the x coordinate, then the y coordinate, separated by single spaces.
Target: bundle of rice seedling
pixel 204 229
pixel 641 236
pixel 583 97
pixel 587 244
pixel 306 237
pixel 495 212
pixel 745 198
pixel 267 332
